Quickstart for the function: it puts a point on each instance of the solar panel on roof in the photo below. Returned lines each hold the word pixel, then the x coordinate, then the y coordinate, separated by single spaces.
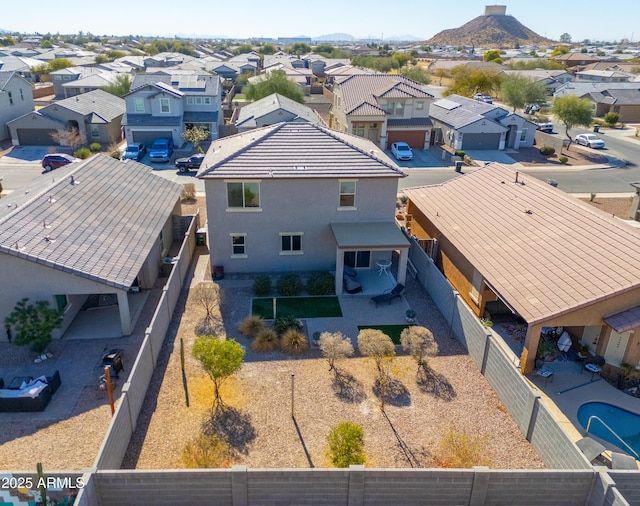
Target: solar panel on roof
pixel 449 105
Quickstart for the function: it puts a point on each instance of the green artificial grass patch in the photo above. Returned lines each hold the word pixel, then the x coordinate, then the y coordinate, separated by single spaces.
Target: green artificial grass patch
pixel 393 331
pixel 300 307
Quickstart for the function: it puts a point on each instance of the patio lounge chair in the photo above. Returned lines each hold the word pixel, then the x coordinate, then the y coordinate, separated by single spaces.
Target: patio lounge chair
pixel 388 295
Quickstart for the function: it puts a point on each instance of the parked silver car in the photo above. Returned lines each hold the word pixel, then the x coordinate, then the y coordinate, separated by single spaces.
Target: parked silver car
pixel 590 140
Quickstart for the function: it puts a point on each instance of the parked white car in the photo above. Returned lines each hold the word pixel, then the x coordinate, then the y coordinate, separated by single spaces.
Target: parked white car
pixel 402 151
pixel 590 140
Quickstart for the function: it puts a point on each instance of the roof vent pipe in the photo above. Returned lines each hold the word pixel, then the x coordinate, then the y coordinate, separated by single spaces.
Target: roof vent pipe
pixel 516 181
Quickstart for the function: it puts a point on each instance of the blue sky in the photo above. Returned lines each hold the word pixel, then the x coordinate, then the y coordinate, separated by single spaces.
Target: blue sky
pixel 375 19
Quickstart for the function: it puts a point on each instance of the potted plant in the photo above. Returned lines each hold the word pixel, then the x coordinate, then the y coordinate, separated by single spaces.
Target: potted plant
pixel 411 315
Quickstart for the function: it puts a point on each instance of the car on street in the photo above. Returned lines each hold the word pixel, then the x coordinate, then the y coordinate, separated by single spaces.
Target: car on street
pixel 483 98
pixel 545 127
pixel 161 150
pixel 590 140
pixel 191 163
pixel 135 151
pixel 56 160
pixel 402 151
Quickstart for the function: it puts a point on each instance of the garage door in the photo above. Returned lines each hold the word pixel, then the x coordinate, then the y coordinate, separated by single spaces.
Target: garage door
pixel 415 138
pixel 480 141
pixel 147 137
pixel 36 137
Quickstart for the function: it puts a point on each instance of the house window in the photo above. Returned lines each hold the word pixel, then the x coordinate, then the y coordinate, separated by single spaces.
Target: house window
pixel 243 195
pixel 359 259
pixel 347 193
pixel 66 78
pixel 21 94
pixel 10 98
pixel 95 131
pixel 419 105
pixel 523 135
pixel 399 108
pixel 391 107
pixel 207 100
pixel 238 245
pixel 62 302
pixel 291 243
pixel 358 130
pixel 139 105
pixel 198 100
pixel 189 100
pixel 164 105
pixel 57 78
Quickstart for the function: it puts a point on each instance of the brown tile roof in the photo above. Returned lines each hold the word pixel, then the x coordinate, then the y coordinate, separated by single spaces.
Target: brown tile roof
pixel 296 149
pixel 358 89
pixel 544 252
pixel 101 228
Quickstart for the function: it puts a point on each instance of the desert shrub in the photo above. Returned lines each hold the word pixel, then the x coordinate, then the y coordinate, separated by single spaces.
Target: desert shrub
pixel 321 283
pixel 334 346
pixel 265 342
pixel 206 452
pixel 285 322
pixel 188 192
pixel 262 285
pixel 563 159
pixel 460 450
pixel 611 119
pixel 289 285
pixel 459 153
pixel 419 341
pixel 82 153
pixel 114 151
pixel 547 150
pixel 251 326
pixel 294 341
pixel 346 444
pixel 95 147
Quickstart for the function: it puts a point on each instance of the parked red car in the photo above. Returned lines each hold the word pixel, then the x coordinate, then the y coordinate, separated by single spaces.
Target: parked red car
pixel 55 160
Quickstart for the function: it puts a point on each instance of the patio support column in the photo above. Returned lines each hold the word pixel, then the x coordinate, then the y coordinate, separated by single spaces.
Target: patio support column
pixel 339 270
pixel 528 357
pixel 125 313
pixel 402 266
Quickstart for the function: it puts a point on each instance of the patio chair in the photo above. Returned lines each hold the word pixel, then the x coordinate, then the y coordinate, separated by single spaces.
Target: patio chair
pixel 388 295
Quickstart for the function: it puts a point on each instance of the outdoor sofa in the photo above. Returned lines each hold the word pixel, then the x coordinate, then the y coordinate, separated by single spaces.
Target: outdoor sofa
pixel 28 394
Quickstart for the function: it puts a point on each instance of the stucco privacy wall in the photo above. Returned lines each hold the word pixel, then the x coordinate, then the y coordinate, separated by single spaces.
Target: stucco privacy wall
pixel 628 483
pixel 500 368
pixel 134 390
pixel 355 486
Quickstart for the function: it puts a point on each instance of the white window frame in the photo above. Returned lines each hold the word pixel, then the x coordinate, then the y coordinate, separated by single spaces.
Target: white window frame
pixel 207 100
pixel 95 131
pixel 138 104
pixel 57 78
pixel 523 135
pixel 189 100
pixel 165 101
pixel 244 207
pixel 10 95
pixel 419 106
pixel 342 193
pixel 234 236
pixel 291 250
pixel 359 130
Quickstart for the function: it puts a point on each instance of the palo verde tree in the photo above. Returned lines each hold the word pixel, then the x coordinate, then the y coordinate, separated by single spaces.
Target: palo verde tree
pixel 518 90
pixel 334 346
pixel 346 444
pixel 275 82
pixel 220 359
pixel 33 323
pixel 420 343
pixel 468 81
pixel 120 86
pixel 196 135
pixel 379 347
pixel 572 111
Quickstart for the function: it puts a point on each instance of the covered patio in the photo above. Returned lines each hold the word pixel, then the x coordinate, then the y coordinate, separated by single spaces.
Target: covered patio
pixel 368 248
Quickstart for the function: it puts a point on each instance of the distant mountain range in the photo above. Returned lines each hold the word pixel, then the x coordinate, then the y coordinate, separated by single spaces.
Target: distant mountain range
pixel 489 31
pixel 346 37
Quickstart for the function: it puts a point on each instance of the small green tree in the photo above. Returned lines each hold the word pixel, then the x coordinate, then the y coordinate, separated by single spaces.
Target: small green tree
pixel 299 48
pixel 33 323
pixel 334 346
pixel 493 55
pixel 417 74
pixel 572 111
pixel 196 135
pixel 518 90
pixel 267 49
pixel 381 350
pixel 120 86
pixel 346 444
pixel 275 82
pixel 220 359
pixel 419 341
pixel 611 119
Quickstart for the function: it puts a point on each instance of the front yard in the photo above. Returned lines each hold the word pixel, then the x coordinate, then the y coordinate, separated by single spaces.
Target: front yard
pixel 258 425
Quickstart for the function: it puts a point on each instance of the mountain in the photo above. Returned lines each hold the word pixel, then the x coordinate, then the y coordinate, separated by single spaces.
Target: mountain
pixel 496 31
pixel 337 37
pixel 404 38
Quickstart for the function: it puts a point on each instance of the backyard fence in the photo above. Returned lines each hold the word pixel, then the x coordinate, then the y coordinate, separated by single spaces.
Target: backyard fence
pixel 123 423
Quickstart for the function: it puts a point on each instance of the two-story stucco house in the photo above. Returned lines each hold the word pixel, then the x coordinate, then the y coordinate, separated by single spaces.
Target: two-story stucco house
pixel 164 106
pixel 16 99
pixel 383 108
pixel 296 196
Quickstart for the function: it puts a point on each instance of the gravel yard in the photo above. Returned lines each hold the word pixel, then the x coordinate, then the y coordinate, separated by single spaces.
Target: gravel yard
pixel 258 420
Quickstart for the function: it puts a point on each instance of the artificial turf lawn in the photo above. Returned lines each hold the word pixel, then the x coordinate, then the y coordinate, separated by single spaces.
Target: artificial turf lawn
pixel 300 307
pixel 393 331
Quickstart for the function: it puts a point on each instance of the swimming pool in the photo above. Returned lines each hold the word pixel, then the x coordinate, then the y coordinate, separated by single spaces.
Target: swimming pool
pixel 624 423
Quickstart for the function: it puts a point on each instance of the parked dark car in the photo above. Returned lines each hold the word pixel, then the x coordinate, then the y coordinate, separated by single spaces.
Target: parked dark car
pixel 135 151
pixel 55 160
pixel 191 163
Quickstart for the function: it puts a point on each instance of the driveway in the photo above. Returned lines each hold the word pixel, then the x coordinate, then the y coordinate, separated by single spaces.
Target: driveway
pixel 422 158
pixel 490 155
